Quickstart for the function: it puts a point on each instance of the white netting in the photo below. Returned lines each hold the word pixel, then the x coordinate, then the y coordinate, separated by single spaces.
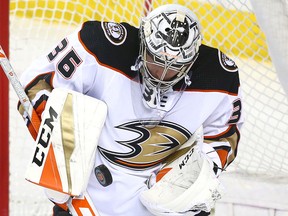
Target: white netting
pixel 276 33
pixel 231 25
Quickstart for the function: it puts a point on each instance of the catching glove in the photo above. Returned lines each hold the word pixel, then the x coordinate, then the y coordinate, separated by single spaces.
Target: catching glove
pixel 185 186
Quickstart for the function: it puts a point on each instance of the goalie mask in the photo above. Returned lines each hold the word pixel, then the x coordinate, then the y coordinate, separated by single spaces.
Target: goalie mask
pixel 170 38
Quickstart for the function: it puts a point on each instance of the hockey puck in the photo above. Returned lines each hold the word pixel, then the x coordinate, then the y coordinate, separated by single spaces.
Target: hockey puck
pixel 103 175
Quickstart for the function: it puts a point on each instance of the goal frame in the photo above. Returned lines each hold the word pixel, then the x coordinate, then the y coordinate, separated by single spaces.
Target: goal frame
pixel 4 113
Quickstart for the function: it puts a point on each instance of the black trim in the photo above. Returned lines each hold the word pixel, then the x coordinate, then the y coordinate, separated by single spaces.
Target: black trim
pixel 207 74
pixel 120 57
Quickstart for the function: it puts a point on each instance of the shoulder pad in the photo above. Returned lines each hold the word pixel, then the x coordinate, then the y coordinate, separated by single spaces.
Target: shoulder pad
pixel 227 63
pixel 116 33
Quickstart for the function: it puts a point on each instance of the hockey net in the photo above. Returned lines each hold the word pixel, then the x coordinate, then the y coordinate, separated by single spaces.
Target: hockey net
pixel 231 25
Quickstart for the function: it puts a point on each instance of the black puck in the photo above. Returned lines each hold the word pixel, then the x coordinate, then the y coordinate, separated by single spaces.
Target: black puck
pixel 103 175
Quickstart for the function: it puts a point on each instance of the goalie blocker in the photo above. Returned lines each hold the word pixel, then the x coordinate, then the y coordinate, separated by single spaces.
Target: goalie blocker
pixel 186 185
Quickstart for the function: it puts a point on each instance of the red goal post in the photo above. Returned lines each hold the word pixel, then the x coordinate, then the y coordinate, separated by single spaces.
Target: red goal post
pixel 4 114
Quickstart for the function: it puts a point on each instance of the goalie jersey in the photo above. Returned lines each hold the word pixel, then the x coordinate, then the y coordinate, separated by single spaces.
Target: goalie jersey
pixel 96 60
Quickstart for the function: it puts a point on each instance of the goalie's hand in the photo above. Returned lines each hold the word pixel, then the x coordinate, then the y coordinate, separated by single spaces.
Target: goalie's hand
pixel 58 211
pixel 188 186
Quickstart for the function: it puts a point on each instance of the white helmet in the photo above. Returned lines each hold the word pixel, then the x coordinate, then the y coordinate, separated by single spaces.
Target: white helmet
pixel 170 34
pixel 169 41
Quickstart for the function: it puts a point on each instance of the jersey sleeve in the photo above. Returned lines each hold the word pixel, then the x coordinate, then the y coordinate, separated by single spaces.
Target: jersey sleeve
pixel 67 65
pixel 222 128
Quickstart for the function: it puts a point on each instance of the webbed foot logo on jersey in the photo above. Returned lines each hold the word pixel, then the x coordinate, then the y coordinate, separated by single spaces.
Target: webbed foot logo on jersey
pixel 227 63
pixel 115 32
pixel 150 147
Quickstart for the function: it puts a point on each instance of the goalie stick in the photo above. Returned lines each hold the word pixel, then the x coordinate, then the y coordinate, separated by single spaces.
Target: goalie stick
pixel 75 204
pixel 12 77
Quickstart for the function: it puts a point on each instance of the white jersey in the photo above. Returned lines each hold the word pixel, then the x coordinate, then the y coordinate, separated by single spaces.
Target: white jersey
pixel 96 61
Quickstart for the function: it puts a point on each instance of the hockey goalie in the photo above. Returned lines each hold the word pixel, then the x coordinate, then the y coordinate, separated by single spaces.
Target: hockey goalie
pixel 134 120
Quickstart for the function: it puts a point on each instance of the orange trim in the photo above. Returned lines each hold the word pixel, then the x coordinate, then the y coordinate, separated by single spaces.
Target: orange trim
pixel 52 79
pixel 41 108
pixel 80 203
pixel 161 173
pixel 63 206
pixel 220 134
pixel 99 62
pixel 223 154
pixel 211 90
pixel 35 121
pixel 32 131
pixel 50 174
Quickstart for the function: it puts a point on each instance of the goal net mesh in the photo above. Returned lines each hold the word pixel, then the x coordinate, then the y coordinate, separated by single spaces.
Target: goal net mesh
pixel 231 25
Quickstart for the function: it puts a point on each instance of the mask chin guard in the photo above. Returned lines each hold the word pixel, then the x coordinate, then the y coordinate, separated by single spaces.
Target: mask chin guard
pixel 151 103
